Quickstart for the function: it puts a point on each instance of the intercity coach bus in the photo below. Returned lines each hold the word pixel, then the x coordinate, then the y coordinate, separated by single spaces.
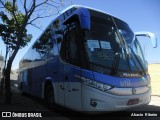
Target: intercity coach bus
pixel 87 60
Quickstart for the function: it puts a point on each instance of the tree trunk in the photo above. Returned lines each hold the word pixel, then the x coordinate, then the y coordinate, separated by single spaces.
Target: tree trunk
pixel 7 77
pixel 2 81
pixel 7 83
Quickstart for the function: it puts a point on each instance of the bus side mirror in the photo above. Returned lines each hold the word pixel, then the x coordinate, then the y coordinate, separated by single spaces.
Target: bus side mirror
pixel 150 35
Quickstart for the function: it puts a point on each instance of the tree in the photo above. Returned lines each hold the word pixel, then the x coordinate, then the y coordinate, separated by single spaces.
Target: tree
pixel 13 30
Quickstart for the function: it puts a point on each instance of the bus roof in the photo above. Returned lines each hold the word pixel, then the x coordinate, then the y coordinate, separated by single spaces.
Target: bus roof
pixel 90 8
pixel 77 6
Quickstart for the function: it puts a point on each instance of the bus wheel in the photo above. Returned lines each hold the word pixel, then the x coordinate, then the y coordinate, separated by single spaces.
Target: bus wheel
pixel 49 97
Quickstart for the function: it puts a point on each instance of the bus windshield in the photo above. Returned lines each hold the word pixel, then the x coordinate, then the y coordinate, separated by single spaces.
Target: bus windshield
pixel 111 46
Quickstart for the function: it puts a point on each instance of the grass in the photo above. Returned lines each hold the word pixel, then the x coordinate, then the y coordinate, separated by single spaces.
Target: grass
pixel 154 71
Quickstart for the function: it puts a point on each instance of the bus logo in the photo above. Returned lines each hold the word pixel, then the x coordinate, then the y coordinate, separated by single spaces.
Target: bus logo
pixel 125 83
pixel 133 91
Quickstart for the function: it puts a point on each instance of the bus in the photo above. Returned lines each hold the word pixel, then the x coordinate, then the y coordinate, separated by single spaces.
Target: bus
pixel 87 60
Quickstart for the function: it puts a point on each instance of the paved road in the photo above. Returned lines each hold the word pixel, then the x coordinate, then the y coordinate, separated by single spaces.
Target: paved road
pixel 28 103
pixel 23 103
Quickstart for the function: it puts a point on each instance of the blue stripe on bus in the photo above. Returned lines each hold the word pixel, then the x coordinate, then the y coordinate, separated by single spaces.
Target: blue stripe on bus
pixel 119 81
pixel 106 79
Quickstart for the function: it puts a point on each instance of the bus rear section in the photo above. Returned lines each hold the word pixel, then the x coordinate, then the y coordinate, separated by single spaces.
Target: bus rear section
pixel 97 63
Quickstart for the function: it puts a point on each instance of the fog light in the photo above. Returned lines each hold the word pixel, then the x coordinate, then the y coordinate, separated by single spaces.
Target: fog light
pixel 93 103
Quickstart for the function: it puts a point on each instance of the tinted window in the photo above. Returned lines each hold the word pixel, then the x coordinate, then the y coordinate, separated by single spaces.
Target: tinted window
pixel 43 46
pixel 69 49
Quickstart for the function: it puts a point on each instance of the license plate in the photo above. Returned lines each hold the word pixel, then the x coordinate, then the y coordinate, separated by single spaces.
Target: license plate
pixel 133 101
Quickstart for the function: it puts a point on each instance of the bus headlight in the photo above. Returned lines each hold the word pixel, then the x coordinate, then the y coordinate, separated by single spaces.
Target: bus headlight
pixel 95 84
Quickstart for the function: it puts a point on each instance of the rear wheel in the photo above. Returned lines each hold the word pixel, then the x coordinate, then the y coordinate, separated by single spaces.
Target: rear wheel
pixel 49 97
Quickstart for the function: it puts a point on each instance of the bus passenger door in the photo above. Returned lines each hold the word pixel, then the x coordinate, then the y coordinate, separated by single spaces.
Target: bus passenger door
pixel 69 53
pixel 72 87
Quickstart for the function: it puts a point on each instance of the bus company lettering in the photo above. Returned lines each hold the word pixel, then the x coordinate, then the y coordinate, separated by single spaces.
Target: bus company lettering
pixel 34 115
pixel 15 114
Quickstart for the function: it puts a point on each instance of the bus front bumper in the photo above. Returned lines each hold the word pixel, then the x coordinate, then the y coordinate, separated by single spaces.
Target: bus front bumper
pixel 96 100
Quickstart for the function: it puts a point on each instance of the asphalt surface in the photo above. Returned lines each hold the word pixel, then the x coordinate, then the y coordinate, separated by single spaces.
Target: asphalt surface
pixel 26 103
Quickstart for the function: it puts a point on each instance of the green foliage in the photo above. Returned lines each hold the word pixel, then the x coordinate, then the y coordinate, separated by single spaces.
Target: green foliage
pixel 20 18
pixel 11 28
pixel 10 7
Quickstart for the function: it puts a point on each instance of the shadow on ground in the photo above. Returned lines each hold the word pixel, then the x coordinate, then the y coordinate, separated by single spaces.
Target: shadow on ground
pixel 24 102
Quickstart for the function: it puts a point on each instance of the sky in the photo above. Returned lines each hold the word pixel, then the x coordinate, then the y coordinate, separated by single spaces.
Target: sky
pixel 141 15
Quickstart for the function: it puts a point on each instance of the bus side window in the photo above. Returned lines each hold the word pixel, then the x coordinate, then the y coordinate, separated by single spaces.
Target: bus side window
pixel 69 49
pixel 43 46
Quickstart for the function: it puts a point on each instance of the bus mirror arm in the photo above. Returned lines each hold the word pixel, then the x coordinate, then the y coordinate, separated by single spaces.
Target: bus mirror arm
pixel 150 35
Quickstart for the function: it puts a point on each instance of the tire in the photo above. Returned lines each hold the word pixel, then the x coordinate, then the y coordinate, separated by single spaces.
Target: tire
pixel 49 97
pixel 20 87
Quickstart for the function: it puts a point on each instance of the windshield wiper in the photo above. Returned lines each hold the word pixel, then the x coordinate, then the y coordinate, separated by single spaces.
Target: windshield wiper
pixel 115 64
pixel 138 60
